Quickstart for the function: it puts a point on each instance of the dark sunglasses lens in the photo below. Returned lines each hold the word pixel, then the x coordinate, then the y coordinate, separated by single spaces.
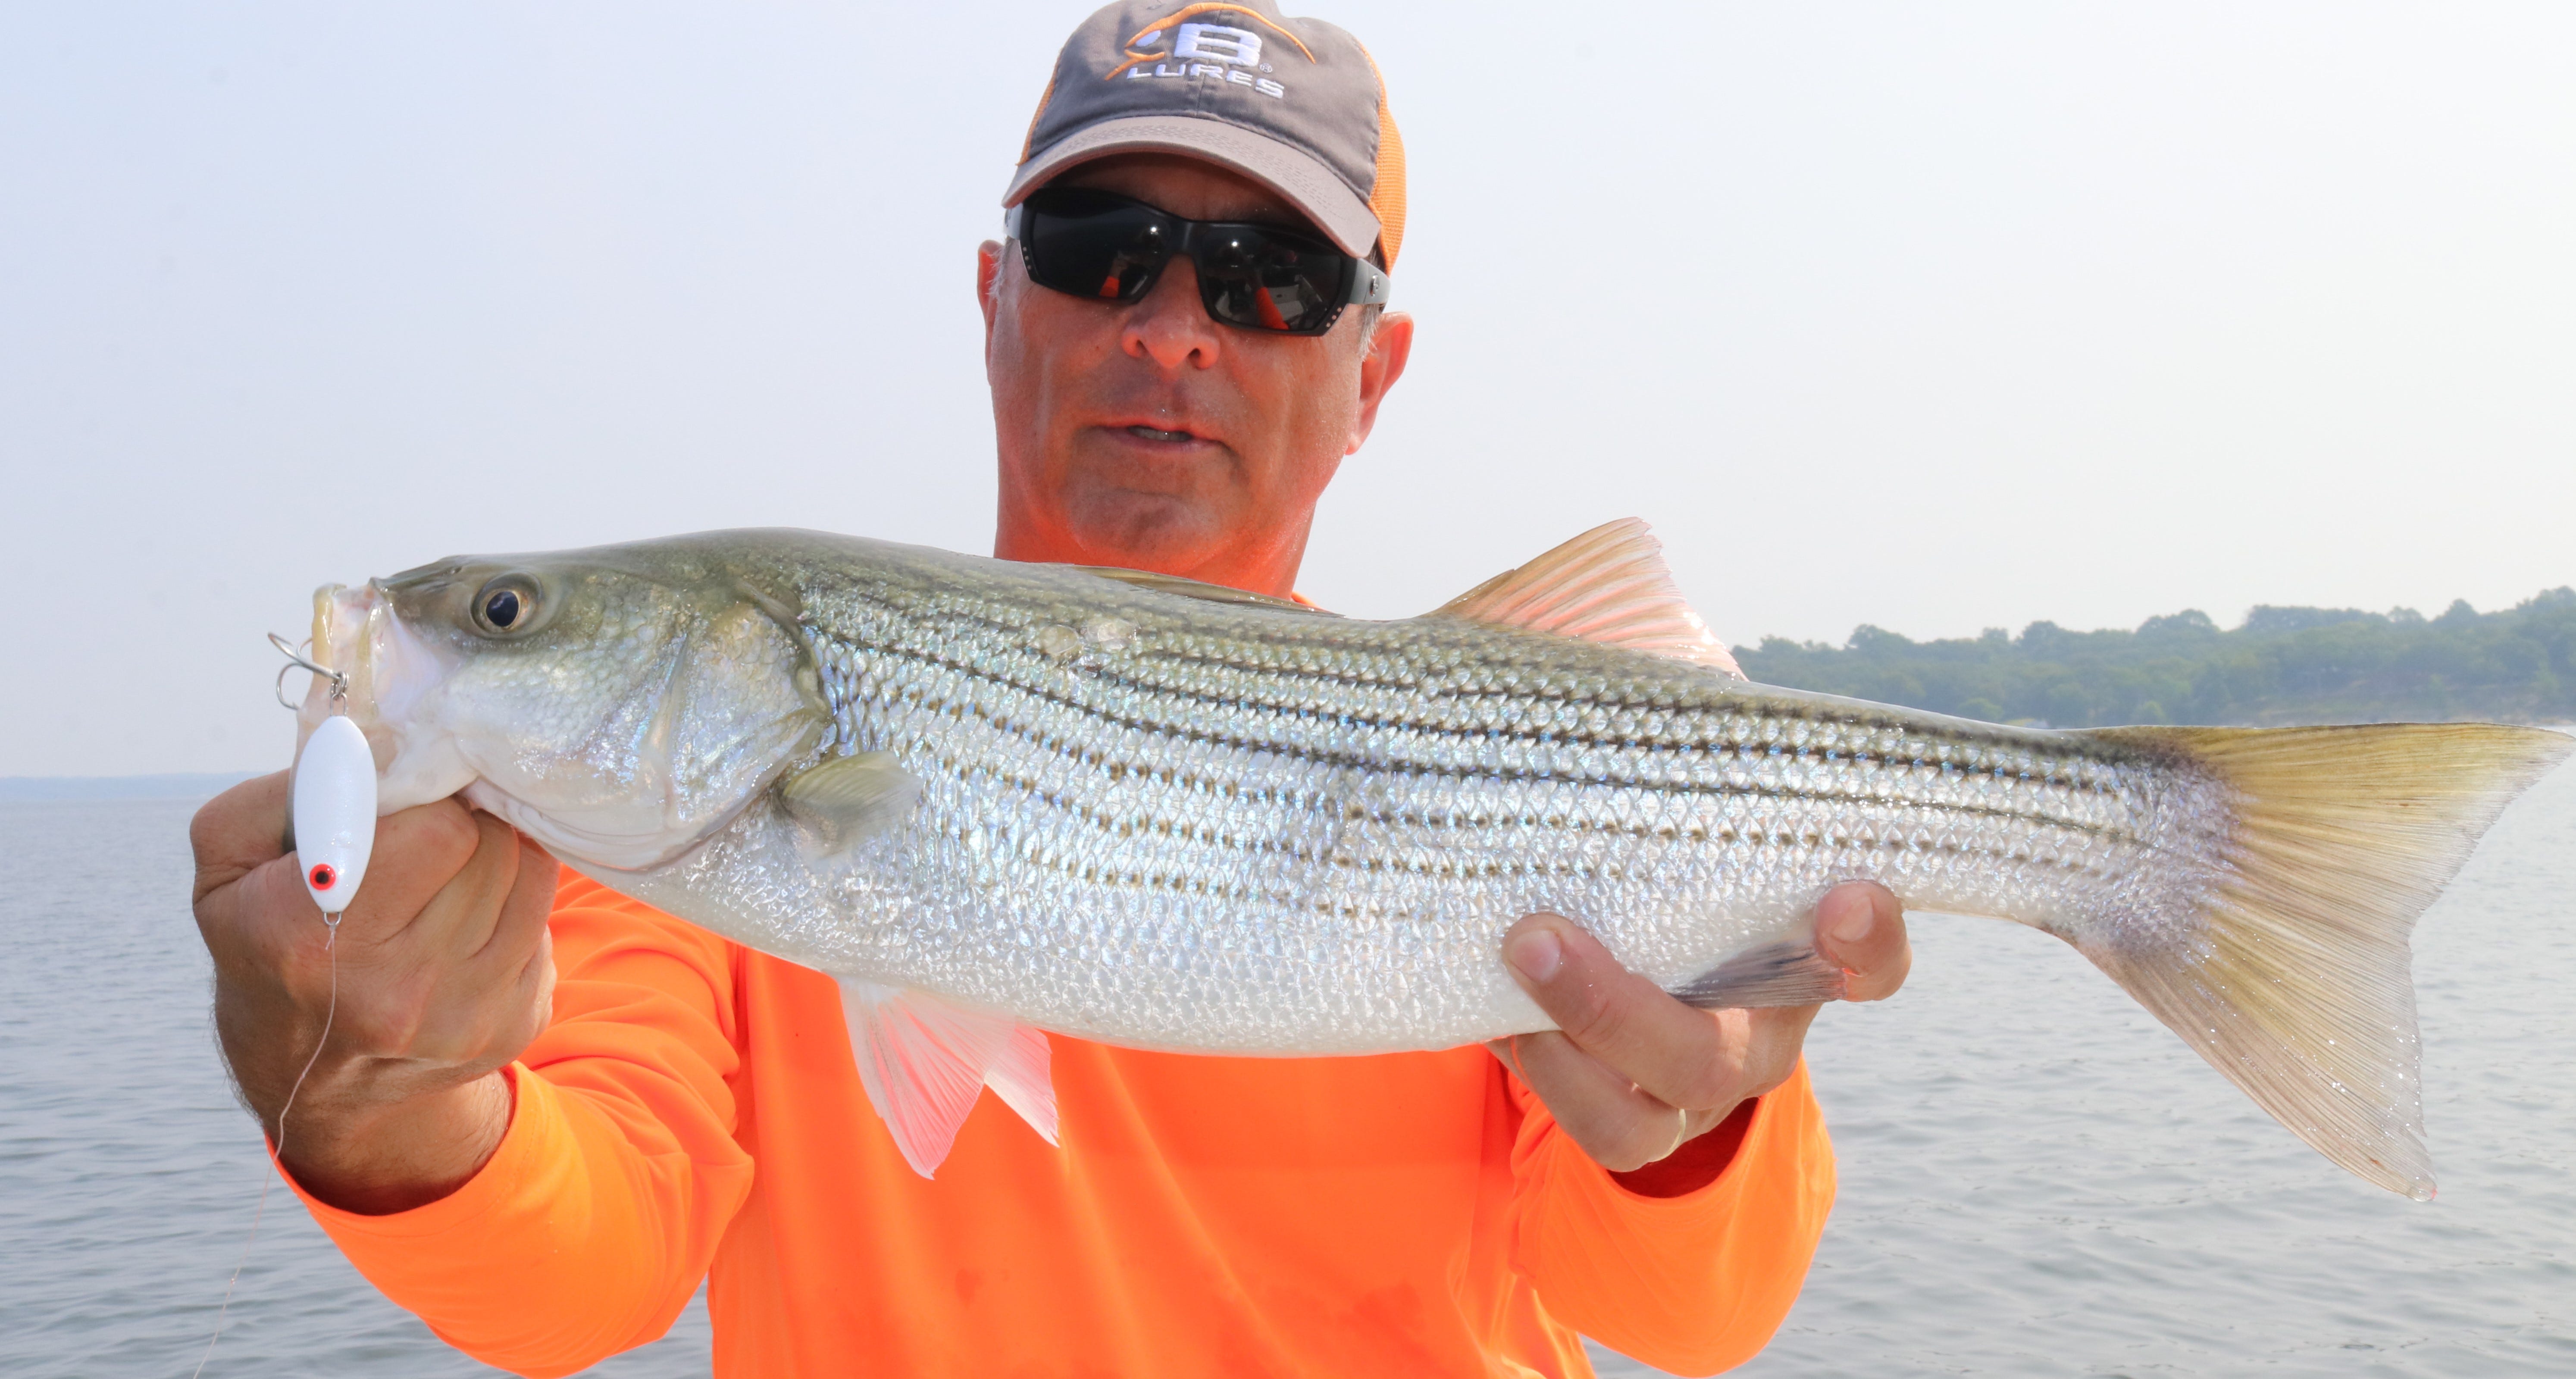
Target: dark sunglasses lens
pixel 1105 247
pixel 1270 281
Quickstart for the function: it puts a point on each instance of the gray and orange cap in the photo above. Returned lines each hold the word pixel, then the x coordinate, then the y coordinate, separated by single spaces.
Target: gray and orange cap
pixel 1294 104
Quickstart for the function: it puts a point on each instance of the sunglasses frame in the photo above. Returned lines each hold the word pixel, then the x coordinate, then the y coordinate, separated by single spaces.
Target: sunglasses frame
pixel 1363 282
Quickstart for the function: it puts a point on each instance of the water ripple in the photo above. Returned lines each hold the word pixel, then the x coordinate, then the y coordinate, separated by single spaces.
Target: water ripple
pixel 2037 1179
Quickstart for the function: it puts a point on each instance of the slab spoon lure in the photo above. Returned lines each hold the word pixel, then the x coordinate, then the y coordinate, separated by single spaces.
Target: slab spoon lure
pixel 334 797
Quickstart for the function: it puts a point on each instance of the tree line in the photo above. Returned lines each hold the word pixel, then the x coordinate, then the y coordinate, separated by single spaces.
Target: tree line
pixel 2284 665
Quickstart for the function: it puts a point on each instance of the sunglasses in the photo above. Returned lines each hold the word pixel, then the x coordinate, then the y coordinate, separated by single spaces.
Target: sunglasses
pixel 1113 248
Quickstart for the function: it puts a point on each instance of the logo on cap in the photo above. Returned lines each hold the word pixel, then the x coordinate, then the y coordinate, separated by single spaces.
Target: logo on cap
pixel 1215 52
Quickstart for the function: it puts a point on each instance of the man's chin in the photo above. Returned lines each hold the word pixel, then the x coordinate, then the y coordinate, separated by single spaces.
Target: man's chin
pixel 1146 532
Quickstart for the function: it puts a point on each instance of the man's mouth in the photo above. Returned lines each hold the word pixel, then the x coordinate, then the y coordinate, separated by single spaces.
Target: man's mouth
pixel 1152 433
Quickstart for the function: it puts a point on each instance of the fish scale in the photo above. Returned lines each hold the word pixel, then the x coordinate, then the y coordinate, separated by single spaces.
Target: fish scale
pixel 1154 856
pixel 992 798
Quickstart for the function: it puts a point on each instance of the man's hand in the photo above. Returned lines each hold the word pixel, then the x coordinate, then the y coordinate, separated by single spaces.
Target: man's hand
pixel 1640 1079
pixel 444 974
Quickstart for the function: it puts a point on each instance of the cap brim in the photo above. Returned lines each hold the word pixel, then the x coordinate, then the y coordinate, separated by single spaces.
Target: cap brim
pixel 1303 180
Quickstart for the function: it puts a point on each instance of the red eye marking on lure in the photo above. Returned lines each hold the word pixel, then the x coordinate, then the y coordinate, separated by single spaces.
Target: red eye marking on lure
pixel 323 876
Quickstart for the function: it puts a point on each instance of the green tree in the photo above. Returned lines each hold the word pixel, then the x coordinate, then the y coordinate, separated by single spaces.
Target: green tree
pixel 2282 665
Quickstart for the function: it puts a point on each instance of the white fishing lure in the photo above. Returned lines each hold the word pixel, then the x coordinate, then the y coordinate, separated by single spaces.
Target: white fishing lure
pixel 335 812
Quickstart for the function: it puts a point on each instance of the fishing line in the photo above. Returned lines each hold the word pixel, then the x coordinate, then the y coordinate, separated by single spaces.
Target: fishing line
pixel 277 1147
pixel 333 805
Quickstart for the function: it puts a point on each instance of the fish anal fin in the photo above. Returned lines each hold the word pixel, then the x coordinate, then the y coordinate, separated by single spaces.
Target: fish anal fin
pixel 848 799
pixel 1609 585
pixel 924 1061
pixel 1789 973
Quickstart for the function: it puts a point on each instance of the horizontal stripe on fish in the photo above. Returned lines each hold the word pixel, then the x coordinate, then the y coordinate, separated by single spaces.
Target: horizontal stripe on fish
pixel 1177 728
pixel 2070 769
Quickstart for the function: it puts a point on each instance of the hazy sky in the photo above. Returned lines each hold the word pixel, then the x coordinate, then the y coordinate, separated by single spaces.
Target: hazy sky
pixel 1932 316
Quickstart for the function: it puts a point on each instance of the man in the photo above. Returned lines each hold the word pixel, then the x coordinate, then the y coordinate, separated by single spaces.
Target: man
pixel 545 1111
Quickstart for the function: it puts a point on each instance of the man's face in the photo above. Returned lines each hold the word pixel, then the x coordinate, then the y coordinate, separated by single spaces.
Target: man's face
pixel 1149 435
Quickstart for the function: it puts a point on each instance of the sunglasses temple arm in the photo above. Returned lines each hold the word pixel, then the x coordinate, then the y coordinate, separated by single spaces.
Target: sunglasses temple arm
pixel 1370 286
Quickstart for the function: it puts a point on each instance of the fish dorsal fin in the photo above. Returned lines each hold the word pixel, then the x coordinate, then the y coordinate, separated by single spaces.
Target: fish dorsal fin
pixel 1609 585
pixel 1198 589
pixel 848 799
pixel 924 1062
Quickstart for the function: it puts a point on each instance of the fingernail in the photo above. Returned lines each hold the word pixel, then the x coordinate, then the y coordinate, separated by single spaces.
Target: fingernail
pixel 1850 922
pixel 1537 954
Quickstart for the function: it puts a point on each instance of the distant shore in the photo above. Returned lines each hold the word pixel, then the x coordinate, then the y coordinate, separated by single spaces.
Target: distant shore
pixel 2280 666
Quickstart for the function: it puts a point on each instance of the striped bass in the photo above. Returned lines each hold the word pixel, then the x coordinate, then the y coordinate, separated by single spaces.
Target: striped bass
pixel 995 799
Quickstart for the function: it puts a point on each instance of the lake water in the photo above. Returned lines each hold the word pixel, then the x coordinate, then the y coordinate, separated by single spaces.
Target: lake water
pixel 2036 1178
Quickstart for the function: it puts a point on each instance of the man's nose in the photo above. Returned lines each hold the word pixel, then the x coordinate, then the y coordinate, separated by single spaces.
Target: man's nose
pixel 1171 326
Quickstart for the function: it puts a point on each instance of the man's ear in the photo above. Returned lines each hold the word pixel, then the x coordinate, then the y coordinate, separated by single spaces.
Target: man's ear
pixel 1388 349
pixel 988 286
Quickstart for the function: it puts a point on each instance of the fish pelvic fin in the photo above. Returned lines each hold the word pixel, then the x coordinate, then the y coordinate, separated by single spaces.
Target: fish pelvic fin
pixel 1609 585
pixel 925 1061
pixel 1022 1076
pixel 2297 986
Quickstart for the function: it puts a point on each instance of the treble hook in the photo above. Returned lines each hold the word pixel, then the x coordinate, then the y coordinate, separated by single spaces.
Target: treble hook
pixel 295 659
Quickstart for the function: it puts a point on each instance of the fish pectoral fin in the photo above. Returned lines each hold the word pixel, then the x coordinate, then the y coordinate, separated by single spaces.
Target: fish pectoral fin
pixel 848 799
pixel 1609 585
pixel 1789 973
pixel 924 1061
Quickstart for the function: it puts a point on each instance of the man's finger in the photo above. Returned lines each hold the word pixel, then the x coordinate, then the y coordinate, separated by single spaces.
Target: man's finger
pixel 1860 926
pixel 1675 1053
pixel 535 983
pixel 520 924
pixel 1619 1126
pixel 238 831
pixel 1772 1040
pixel 418 852
pixel 459 920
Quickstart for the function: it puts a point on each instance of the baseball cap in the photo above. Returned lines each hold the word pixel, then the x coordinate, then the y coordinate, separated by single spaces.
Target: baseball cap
pixel 1294 104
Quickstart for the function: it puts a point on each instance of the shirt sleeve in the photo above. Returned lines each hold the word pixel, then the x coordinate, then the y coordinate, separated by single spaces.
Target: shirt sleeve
pixel 588 1229
pixel 1692 1284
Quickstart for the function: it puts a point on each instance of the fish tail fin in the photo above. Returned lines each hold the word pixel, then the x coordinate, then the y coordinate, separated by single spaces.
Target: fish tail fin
pixel 2296 984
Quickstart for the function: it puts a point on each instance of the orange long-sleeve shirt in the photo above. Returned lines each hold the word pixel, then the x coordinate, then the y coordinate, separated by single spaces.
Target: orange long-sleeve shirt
pixel 693 1111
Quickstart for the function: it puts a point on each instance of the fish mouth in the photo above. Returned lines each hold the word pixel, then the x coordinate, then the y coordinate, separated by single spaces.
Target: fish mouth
pixel 345 634
pixel 382 673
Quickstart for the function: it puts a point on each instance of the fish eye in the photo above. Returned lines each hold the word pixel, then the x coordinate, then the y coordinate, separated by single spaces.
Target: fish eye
pixel 506 605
